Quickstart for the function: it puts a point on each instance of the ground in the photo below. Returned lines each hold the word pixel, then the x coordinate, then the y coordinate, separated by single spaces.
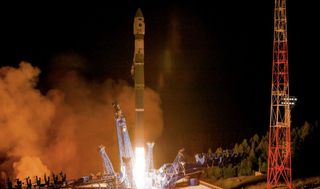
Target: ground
pixel 259 182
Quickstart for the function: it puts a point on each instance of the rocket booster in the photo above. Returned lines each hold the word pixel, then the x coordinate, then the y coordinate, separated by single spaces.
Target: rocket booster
pixel 138 63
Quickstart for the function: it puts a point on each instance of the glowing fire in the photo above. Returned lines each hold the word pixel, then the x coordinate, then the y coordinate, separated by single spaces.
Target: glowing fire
pixel 139 169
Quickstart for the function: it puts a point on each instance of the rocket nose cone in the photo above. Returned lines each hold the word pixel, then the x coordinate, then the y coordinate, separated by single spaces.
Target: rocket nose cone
pixel 139 13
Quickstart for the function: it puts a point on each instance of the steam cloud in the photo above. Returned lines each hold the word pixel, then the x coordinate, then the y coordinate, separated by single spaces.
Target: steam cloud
pixel 61 130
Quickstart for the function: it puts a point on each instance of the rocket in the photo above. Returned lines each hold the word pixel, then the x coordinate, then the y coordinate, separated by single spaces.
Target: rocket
pixel 138 69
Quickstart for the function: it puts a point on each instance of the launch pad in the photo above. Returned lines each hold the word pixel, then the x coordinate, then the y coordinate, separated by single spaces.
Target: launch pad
pixel 136 167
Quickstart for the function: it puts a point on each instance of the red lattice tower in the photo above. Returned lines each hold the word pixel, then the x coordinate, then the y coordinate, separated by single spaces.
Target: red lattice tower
pixel 279 154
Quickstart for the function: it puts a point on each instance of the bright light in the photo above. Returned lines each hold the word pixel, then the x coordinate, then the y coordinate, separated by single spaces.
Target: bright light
pixel 139 169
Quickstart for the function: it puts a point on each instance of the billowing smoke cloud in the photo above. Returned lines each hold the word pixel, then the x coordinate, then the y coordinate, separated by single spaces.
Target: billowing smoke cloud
pixel 25 115
pixel 61 130
pixel 29 166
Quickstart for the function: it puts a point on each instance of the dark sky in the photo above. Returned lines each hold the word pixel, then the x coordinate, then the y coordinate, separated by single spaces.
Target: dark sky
pixel 209 60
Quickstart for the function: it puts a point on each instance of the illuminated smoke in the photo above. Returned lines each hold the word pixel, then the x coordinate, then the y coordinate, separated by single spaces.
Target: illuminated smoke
pixel 30 166
pixel 62 129
pixel 25 115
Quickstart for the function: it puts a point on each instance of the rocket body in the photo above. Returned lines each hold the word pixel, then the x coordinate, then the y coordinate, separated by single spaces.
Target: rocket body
pixel 138 63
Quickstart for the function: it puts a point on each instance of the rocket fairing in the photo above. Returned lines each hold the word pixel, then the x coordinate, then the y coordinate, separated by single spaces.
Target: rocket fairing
pixel 138 63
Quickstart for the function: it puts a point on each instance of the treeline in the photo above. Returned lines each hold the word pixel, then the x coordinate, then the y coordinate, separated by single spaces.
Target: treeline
pixel 251 155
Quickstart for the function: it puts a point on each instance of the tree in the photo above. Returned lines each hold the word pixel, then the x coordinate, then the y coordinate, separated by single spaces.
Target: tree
pixel 254 141
pixel 304 131
pixel 208 173
pixel 219 151
pixel 263 147
pixel 229 171
pixel 236 149
pixel 245 168
pixel 210 157
pixel 217 172
pixel 240 149
pixel 262 165
pixel 252 157
pixel 246 147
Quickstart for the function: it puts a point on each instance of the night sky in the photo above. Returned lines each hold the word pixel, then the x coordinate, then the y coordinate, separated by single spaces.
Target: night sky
pixel 210 61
